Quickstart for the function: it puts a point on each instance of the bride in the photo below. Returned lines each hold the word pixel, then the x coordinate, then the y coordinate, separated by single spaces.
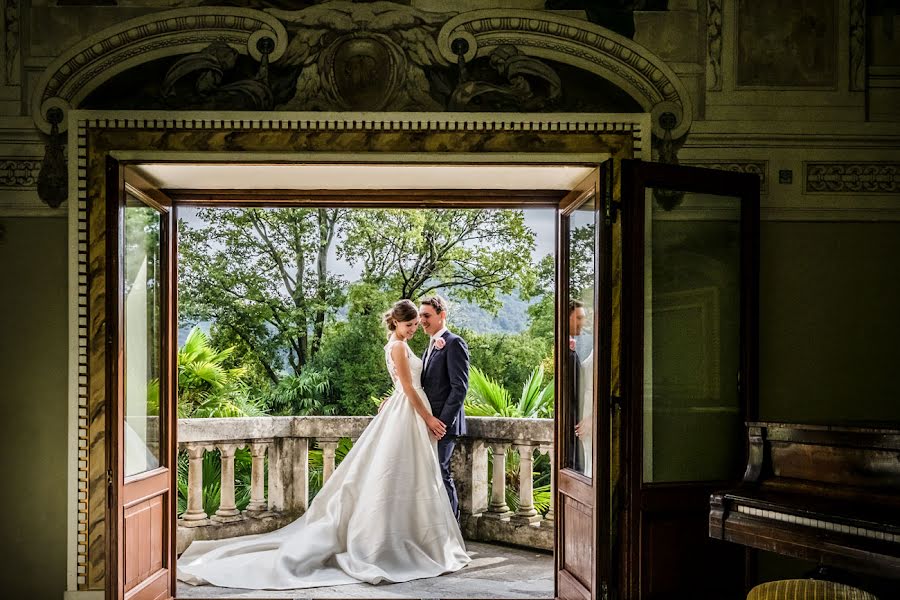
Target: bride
pixel 382 516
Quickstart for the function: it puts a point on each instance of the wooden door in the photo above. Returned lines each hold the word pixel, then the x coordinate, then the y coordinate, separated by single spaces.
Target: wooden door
pixel 582 393
pixel 142 345
pixel 690 302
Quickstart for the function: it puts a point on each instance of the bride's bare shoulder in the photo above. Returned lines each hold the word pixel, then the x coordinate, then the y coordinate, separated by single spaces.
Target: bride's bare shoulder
pixel 392 344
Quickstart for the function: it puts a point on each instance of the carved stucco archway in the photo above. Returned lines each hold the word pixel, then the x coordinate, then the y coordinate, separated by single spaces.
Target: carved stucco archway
pixel 97 59
pixel 467 36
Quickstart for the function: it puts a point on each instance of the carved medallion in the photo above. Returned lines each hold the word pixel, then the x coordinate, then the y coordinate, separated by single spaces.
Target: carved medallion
pixel 362 71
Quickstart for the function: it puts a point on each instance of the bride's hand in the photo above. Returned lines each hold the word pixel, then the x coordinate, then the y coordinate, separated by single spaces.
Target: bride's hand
pixel 583 428
pixel 436 426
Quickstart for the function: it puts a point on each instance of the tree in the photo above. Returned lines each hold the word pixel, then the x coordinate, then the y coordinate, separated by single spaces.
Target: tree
pixel 262 275
pixel 581 281
pixel 508 358
pixel 469 254
pixel 352 353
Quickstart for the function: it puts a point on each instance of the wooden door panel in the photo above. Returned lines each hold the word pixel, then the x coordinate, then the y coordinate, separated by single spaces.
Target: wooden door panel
pixel 155 587
pixel 578 549
pixel 577 487
pixel 678 551
pixel 569 587
pixel 144 551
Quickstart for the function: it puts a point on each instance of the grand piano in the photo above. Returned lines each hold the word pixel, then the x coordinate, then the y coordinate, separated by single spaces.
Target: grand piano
pixel 826 494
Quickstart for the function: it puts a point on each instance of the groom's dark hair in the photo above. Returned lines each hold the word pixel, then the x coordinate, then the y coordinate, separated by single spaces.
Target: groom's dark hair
pixel 436 302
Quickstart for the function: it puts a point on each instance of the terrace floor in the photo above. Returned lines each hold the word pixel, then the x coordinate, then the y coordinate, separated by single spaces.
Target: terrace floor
pixel 495 572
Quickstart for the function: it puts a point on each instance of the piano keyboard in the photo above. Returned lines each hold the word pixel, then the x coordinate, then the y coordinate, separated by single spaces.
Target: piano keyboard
pixel 818 524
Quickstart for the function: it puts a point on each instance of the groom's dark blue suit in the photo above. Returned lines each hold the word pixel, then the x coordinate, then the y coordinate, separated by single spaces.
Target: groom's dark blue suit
pixel 445 380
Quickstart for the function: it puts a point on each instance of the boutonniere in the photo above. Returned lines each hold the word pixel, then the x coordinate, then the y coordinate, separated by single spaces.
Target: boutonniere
pixel 439 343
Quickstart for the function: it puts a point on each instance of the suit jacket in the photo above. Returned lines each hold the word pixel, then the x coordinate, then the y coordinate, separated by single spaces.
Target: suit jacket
pixel 446 381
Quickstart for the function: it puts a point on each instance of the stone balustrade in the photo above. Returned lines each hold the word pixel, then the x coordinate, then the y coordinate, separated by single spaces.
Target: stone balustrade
pixel 286 441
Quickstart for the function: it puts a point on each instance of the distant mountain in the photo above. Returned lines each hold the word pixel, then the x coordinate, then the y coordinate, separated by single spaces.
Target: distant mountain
pixel 512 318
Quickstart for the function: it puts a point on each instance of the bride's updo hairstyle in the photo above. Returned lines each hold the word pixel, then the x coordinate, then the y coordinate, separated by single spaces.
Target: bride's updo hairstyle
pixel 402 311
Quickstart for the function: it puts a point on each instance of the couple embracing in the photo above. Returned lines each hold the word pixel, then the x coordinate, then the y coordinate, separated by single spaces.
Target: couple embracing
pixel 389 512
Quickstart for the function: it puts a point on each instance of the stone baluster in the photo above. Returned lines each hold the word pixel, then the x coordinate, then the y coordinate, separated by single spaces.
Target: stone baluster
pixel 498 508
pixel 194 516
pixel 329 447
pixel 289 475
pixel 469 466
pixel 227 509
pixel 257 504
pixel 549 517
pixel 526 513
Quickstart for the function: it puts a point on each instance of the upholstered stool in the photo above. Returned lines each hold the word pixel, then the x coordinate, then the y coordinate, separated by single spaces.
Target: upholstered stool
pixel 807 589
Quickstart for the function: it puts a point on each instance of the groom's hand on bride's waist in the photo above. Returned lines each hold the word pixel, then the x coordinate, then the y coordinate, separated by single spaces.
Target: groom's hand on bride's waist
pixel 436 427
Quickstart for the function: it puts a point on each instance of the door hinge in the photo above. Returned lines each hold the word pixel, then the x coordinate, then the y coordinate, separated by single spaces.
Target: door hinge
pixel 612 212
pixel 109 486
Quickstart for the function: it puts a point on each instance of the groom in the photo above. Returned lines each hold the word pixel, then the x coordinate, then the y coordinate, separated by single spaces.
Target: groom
pixel 445 378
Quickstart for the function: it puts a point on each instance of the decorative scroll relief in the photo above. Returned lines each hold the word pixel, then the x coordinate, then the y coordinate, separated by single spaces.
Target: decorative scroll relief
pixel 632 67
pixel 79 71
pixel 19 173
pixel 856 178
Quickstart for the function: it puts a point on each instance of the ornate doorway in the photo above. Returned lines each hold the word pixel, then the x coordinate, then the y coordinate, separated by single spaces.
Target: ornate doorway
pixel 105 139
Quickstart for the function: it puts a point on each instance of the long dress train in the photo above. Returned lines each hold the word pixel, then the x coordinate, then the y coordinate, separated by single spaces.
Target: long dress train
pixel 382 516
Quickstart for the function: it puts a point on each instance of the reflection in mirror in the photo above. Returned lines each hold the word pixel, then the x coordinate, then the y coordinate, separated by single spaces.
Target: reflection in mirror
pixel 142 332
pixel 582 251
pixel 692 340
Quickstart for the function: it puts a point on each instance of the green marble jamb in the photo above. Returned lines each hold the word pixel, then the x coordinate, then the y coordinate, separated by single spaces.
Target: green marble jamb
pixel 95 573
pixel 618 145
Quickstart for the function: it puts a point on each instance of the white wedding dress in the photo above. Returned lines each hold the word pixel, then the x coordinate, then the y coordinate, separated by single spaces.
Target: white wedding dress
pixel 382 516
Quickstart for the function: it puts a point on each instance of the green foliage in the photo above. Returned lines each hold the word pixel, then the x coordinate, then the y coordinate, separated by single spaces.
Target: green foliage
pixel 507 358
pixel 352 353
pixel 581 258
pixel 304 394
pixel 541 319
pixel 206 387
pixel 487 398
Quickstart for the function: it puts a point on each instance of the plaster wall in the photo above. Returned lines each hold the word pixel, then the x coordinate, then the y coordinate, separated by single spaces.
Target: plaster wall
pixel 33 344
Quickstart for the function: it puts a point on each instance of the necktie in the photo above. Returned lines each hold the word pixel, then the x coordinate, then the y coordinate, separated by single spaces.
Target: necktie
pixel 428 353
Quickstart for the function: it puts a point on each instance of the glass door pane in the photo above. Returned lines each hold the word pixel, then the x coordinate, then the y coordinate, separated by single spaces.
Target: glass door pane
pixel 581 339
pixel 142 320
pixel 692 416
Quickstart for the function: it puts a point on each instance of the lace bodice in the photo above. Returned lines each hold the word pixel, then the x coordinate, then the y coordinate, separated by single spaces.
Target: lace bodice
pixel 415 364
